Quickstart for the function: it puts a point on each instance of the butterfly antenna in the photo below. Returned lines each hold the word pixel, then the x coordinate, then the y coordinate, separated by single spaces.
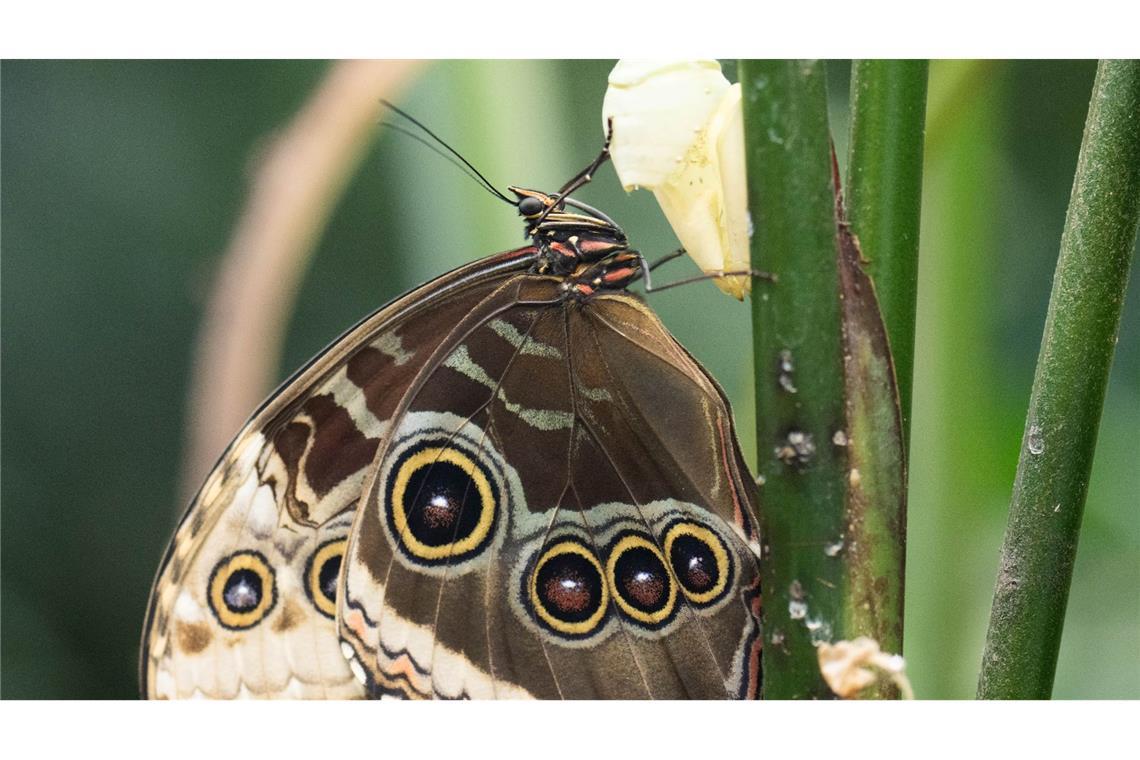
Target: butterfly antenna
pixel 435 149
pixel 440 141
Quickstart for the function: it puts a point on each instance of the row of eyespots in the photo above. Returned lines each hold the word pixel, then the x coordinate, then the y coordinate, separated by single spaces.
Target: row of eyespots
pixel 569 587
pixel 440 504
pixel 242 589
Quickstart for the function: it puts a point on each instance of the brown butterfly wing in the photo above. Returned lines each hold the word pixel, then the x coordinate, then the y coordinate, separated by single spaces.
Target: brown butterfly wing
pixel 244 601
pixel 666 431
pixel 551 466
pixel 409 584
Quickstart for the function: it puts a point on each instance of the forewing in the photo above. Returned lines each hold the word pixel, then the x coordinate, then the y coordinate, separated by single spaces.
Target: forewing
pixel 420 579
pixel 244 602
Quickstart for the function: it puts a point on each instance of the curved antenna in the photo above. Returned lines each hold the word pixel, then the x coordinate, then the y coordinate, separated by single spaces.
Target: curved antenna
pixel 435 149
pixel 439 140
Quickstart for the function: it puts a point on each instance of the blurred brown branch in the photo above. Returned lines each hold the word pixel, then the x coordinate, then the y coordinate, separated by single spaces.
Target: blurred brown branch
pixel 293 191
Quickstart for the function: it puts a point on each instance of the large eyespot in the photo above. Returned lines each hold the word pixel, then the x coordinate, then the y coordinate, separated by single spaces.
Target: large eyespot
pixel 567 589
pixel 242 590
pixel 441 504
pixel 643 587
pixel 700 561
pixel 321 573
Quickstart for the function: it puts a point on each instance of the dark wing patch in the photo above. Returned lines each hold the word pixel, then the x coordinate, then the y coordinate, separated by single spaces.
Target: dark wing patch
pixel 599 432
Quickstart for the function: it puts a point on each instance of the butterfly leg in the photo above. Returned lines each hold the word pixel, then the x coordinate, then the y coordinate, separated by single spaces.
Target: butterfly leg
pixel 583 177
pixel 646 267
pixel 667 258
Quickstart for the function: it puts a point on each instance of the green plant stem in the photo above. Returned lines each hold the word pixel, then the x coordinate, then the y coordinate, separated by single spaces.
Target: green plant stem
pixel 883 200
pixel 884 194
pixel 1068 392
pixel 799 368
pixel 873 549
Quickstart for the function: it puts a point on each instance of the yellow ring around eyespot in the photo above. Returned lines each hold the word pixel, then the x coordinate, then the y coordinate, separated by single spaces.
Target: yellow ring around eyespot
pixel 242 561
pixel 582 627
pixel 714 542
pixel 623 545
pixel 428 457
pixel 323 555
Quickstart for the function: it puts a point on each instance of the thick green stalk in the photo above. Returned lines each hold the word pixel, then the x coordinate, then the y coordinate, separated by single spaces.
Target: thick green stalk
pixel 799 369
pixel 1068 392
pixel 884 194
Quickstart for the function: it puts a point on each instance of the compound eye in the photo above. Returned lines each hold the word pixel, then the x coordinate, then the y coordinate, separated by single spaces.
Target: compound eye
pixel 531 207
pixel 321 574
pixel 567 591
pixel 700 561
pixel 242 590
pixel 643 587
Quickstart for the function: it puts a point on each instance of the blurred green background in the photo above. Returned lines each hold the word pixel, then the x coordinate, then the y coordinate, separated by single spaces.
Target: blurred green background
pixel 121 182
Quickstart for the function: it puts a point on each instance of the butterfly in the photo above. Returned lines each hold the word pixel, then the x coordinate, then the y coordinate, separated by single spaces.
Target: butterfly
pixel 510 482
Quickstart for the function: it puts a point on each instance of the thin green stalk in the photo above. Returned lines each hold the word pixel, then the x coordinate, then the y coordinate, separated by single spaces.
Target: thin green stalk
pixel 1068 392
pixel 883 200
pixel 884 194
pixel 799 369
pixel 873 549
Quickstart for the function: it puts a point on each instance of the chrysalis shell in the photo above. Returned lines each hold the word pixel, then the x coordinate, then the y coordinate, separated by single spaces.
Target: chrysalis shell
pixel 678 130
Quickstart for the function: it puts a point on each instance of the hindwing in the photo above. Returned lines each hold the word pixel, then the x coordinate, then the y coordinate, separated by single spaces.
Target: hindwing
pixel 558 509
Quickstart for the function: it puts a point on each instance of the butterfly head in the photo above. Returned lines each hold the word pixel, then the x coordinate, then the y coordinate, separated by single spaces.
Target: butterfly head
pixel 546 214
pixel 532 204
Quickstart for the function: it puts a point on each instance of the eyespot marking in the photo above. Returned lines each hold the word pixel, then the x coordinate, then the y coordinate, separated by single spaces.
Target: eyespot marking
pixel 700 561
pixel 567 589
pixel 242 590
pixel 321 574
pixel 442 505
pixel 643 587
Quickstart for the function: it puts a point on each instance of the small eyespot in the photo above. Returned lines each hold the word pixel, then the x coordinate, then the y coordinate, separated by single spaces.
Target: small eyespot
pixel 567 589
pixel 321 574
pixel 700 562
pixel 441 504
pixel 531 207
pixel 643 587
pixel 242 590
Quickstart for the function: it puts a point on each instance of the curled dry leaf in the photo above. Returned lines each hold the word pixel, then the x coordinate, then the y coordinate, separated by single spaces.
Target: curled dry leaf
pixel 848 667
pixel 678 130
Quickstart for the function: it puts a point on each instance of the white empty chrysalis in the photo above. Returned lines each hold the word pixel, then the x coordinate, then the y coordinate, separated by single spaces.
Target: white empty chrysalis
pixel 678 130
